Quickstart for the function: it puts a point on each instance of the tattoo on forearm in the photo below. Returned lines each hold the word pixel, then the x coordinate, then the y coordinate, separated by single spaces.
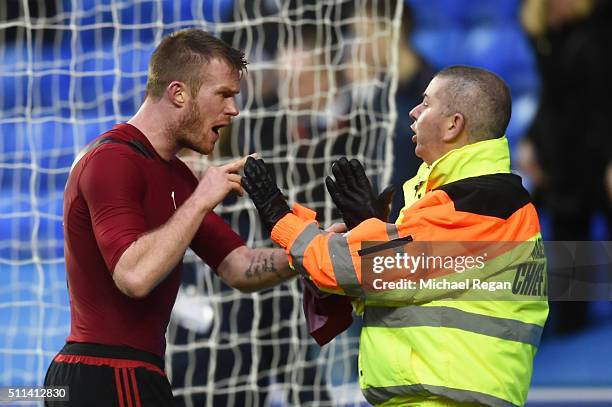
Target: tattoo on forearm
pixel 262 264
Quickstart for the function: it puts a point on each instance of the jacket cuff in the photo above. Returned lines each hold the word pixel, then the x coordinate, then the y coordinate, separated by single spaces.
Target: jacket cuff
pixel 303 212
pixel 288 228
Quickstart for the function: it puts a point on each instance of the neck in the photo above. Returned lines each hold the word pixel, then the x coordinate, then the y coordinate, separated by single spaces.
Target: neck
pixel 152 120
pixel 456 143
pixel 470 160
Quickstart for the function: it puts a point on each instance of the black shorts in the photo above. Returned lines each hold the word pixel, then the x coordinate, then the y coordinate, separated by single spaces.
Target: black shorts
pixel 109 376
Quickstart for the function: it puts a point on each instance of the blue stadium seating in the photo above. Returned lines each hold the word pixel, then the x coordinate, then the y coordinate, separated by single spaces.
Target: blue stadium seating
pixel 13 82
pixel 441 47
pixel 128 12
pixel 482 33
pixel 437 14
pixel 476 13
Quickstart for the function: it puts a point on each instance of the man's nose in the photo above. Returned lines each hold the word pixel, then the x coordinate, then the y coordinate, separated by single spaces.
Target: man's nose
pixel 414 113
pixel 231 108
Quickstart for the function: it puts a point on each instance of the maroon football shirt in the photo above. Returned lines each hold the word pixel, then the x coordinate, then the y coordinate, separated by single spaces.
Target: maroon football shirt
pixel 114 194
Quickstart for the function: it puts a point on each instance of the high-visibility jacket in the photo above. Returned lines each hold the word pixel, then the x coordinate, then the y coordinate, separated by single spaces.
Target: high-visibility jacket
pixel 426 347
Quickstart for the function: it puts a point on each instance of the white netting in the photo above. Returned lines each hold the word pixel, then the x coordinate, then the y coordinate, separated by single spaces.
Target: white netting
pixel 320 85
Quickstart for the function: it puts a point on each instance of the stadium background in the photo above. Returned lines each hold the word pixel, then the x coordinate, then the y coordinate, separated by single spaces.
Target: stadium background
pixel 69 70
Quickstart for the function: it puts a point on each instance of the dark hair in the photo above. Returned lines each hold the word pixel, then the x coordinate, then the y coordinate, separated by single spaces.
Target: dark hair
pixel 180 57
pixel 481 96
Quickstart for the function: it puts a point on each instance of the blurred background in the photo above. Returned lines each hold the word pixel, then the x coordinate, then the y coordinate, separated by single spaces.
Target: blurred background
pixel 326 79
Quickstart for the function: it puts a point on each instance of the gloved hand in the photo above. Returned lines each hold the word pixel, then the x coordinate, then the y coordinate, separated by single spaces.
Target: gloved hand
pixel 264 193
pixel 353 195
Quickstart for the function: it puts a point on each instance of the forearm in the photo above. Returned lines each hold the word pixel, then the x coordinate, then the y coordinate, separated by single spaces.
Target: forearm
pixel 267 267
pixel 251 270
pixel 155 254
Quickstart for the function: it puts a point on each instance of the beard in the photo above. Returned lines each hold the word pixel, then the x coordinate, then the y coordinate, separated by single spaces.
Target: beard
pixel 187 131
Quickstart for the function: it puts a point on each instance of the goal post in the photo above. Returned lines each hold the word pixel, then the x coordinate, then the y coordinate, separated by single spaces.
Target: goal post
pixel 320 85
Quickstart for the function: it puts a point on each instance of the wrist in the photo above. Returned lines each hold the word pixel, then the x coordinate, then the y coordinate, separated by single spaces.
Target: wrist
pixel 273 210
pixel 200 204
pixel 288 228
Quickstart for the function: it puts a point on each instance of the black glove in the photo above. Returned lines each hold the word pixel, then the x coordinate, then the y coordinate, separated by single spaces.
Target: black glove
pixel 264 193
pixel 353 195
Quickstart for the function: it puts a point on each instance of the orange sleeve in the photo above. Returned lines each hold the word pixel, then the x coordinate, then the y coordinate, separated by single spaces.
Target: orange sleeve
pixel 333 260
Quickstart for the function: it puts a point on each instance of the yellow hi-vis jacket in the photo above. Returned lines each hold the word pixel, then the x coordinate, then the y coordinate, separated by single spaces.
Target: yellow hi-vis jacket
pixel 435 347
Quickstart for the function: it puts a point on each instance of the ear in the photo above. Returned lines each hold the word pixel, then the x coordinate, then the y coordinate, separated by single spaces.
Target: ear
pixel 455 126
pixel 177 93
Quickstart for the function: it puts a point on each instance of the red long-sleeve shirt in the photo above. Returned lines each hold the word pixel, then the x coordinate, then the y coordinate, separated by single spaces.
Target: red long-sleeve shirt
pixel 116 193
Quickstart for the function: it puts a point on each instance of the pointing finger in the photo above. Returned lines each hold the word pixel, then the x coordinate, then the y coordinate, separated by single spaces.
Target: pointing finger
pixel 235 166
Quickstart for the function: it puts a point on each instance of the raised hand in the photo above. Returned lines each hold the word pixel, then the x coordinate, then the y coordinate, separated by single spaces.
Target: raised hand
pixel 353 195
pixel 264 193
pixel 217 182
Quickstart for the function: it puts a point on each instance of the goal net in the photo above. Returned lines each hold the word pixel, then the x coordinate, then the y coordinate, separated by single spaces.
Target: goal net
pixel 320 85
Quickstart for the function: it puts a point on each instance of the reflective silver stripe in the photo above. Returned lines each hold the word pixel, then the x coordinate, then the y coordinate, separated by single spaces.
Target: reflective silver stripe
pixel 299 247
pixel 339 254
pixel 377 395
pixel 448 317
pixel 342 264
pixel 392 231
pixel 393 234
